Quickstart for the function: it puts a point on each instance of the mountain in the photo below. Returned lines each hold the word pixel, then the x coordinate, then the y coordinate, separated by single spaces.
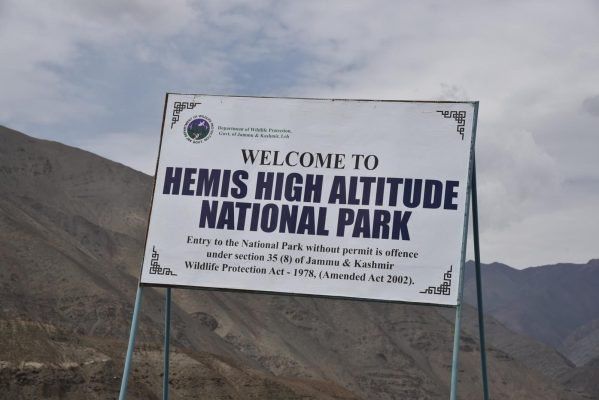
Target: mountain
pixel 555 304
pixel 72 226
pixel 71 233
pixel 584 379
pixel 582 345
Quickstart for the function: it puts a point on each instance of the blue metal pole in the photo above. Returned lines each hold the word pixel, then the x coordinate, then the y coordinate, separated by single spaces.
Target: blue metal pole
pixel 455 360
pixel 167 336
pixel 132 334
pixel 479 287
pixel 456 353
pixel 458 312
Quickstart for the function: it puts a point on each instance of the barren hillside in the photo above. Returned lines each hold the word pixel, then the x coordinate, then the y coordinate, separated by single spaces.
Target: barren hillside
pixel 72 226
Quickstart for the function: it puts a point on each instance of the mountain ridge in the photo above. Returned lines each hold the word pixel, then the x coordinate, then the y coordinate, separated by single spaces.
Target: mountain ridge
pixel 548 303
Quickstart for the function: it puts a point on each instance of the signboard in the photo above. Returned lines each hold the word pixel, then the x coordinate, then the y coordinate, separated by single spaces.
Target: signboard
pixel 342 198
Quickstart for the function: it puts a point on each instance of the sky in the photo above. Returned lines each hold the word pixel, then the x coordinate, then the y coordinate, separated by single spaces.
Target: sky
pixel 93 74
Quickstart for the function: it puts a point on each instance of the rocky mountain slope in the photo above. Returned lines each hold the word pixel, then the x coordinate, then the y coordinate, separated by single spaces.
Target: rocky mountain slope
pixel 582 345
pixel 555 304
pixel 72 226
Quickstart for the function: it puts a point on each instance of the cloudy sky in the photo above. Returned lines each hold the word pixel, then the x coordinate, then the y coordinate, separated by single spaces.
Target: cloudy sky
pixel 93 74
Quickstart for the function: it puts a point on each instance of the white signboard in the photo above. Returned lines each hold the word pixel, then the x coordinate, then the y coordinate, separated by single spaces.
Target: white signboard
pixel 342 198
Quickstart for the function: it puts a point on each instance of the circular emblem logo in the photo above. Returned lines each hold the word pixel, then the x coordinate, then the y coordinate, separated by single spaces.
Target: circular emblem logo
pixel 198 129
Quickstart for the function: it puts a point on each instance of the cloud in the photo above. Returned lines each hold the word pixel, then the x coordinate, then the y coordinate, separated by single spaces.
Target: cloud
pixel 591 105
pixel 45 41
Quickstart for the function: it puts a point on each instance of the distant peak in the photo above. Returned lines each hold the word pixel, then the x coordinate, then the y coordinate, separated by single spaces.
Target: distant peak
pixel 495 264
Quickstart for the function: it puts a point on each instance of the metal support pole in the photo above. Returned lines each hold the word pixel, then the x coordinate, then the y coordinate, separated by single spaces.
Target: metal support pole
pixel 131 345
pixel 455 360
pixel 456 349
pixel 458 312
pixel 167 336
pixel 479 287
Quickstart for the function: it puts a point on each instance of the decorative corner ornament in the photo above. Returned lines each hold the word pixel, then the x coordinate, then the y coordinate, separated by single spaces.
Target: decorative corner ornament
pixel 180 106
pixel 156 268
pixel 459 117
pixel 444 288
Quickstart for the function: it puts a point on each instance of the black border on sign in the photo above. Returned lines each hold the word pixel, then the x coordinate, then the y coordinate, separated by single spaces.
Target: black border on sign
pixel 272 293
pixel 143 257
pixel 327 99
